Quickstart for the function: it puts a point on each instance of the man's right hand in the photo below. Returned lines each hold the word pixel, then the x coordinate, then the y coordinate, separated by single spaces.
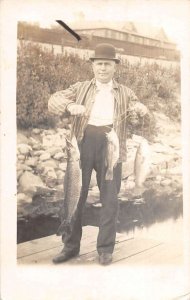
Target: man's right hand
pixel 76 109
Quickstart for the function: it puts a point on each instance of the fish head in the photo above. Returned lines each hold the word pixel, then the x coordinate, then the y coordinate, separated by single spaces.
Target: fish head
pixel 112 137
pixel 72 149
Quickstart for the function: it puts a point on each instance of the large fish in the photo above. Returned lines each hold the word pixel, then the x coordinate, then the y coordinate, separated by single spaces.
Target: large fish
pixel 72 187
pixel 112 153
pixel 142 163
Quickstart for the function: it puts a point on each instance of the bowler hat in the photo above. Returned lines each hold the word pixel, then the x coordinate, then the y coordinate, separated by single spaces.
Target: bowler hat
pixel 105 51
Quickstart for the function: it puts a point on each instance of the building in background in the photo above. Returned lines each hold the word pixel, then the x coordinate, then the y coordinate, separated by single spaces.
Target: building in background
pixel 133 41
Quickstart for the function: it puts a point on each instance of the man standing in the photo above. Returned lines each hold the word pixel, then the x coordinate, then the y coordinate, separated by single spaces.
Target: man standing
pixel 97 106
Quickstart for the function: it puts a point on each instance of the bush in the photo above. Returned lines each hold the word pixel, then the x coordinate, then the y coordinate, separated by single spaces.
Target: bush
pixel 39 74
pixel 153 85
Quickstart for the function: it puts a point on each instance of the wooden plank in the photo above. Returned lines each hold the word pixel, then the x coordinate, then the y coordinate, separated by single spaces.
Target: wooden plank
pixel 136 246
pixel 167 253
pixel 41 250
pixel 123 250
pixel 49 242
pixel 88 255
pixel 45 257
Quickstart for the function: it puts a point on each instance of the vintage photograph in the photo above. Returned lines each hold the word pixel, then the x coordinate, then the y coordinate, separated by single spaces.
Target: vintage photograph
pixel 99 142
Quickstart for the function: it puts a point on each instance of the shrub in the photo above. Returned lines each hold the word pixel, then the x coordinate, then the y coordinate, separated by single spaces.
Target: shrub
pixel 40 73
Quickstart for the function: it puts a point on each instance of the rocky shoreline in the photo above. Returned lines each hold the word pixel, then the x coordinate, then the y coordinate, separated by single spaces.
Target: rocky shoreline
pixel 41 165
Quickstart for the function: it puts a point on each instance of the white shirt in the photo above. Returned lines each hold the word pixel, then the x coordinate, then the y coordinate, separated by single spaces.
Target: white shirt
pixel 103 108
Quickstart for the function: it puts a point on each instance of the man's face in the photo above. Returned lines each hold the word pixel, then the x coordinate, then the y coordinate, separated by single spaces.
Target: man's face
pixel 104 69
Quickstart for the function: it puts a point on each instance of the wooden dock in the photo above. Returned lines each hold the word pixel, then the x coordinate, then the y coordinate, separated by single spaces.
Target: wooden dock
pixel 129 250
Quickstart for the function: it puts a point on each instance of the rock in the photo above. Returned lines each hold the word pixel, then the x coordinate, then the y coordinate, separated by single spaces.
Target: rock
pixel 24 148
pixel 21 138
pixel 51 174
pixel 59 187
pixel 50 163
pixel 51 182
pixel 23 198
pixel 160 148
pixel 21 157
pixel 137 138
pixel 62 131
pixel 176 170
pixel 49 141
pixel 54 150
pixel 19 173
pixel 161 158
pixel 94 196
pixel 165 182
pixel 33 141
pixel 93 181
pixel 36 130
pixel 158 178
pixel 154 170
pixel 128 168
pixel 40 166
pixel 23 167
pixel 38 152
pixel 60 174
pixel 177 181
pixel 49 132
pixel 29 182
pixel 63 122
pixel 122 188
pixel 129 184
pixel 63 166
pixel 47 169
pixel 95 189
pixel 37 147
pixel 45 156
pixel 32 162
pixel 59 155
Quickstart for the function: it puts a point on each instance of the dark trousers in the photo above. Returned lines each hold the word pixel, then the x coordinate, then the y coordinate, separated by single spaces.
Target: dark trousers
pixel 93 151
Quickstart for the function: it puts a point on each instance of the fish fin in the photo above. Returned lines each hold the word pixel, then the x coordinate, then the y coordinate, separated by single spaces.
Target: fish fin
pixel 64 228
pixel 109 174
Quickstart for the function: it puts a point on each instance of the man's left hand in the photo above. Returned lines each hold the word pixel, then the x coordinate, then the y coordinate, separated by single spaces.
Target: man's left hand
pixel 141 109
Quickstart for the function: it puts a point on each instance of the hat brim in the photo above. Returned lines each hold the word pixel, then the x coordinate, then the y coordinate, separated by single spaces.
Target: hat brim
pixel 105 58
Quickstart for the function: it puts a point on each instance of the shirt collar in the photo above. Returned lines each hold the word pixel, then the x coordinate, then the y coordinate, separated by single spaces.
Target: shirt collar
pixel 114 83
pixel 100 85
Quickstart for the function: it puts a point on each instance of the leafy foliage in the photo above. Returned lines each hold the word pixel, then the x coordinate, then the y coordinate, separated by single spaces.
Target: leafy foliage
pixel 41 73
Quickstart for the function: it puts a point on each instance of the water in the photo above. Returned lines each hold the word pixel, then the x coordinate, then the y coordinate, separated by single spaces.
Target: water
pixel 153 216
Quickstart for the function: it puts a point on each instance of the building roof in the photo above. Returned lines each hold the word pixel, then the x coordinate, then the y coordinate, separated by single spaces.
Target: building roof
pixel 137 28
pixel 154 32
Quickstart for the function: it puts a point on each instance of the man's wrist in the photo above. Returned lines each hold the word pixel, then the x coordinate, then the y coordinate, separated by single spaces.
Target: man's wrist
pixel 68 105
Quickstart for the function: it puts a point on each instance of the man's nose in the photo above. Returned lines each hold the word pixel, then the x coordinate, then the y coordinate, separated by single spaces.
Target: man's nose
pixel 103 66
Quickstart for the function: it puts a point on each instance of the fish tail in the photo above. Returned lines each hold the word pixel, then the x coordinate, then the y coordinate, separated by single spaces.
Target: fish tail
pixel 64 228
pixel 109 174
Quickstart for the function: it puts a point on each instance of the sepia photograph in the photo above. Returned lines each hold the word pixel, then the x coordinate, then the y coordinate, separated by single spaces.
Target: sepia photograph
pixel 99 151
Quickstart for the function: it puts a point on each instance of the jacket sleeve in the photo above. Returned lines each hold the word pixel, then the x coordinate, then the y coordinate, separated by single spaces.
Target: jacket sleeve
pixel 59 101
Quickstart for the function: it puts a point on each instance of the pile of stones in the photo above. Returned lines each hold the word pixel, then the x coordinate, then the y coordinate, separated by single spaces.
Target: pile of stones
pixel 42 160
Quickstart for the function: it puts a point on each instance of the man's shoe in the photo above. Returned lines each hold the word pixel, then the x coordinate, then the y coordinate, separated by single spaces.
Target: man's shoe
pixel 105 258
pixel 64 256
